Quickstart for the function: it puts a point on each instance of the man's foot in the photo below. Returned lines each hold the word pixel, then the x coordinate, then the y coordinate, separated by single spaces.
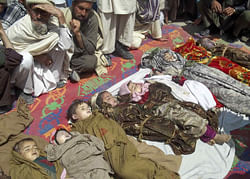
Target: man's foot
pixel 27 98
pixel 221 138
pixel 108 57
pixel 74 77
pixel 205 33
pixel 5 109
pixel 244 39
pixel 60 84
pixel 122 51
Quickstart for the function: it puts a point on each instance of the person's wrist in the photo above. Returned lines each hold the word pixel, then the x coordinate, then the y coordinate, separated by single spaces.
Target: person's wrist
pixel 78 33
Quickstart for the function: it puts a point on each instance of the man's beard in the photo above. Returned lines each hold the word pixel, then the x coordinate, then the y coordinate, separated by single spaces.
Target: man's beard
pixel 40 28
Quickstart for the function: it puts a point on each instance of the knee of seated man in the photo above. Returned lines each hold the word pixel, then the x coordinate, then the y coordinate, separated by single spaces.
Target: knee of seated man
pixel 28 61
pixel 245 16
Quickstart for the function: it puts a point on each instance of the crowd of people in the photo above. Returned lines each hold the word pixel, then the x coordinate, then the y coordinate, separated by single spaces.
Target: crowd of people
pixel 60 40
pixel 45 43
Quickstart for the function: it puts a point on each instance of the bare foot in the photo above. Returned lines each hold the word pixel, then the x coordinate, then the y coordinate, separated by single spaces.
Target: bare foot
pixel 221 138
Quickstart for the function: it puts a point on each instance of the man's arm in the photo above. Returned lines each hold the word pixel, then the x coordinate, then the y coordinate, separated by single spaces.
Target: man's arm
pixel 87 36
pixel 51 9
pixel 4 38
pixel 75 26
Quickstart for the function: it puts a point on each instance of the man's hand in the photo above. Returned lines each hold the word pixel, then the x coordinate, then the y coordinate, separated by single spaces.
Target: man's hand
pixel 44 59
pixel 229 11
pixel 75 26
pixel 51 9
pixel 216 6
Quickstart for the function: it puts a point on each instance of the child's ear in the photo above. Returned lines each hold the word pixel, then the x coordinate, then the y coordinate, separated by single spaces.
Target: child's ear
pixel 75 116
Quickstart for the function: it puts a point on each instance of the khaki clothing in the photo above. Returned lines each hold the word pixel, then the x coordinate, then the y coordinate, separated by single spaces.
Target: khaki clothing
pixel 82 157
pixel 171 162
pixel 120 152
pixel 11 128
pixel 22 168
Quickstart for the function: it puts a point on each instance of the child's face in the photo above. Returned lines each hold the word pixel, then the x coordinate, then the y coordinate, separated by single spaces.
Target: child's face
pixel 109 99
pixel 63 136
pixel 29 150
pixel 134 87
pixel 83 111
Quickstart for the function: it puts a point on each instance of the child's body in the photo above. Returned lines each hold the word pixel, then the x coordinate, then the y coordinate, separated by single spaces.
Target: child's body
pixel 29 162
pixel 137 93
pixel 119 151
pixel 80 154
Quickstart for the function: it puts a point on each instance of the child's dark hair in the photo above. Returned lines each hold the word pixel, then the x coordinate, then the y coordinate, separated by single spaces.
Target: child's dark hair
pixel 19 143
pixel 72 109
pixel 99 99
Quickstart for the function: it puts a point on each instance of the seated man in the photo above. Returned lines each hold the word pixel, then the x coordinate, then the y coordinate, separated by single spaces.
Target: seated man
pixel 223 15
pixel 14 12
pixel 85 27
pixel 46 48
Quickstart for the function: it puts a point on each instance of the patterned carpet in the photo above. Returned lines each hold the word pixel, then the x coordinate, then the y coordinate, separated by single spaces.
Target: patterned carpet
pixel 49 110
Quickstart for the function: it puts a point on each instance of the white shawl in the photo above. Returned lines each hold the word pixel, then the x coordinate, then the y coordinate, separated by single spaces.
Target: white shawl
pixel 25 39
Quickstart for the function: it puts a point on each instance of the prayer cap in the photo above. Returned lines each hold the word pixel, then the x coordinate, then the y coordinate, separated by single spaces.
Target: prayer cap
pixel 3 1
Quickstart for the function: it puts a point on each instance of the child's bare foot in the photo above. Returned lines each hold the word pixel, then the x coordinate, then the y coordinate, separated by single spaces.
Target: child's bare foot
pixel 211 142
pixel 221 138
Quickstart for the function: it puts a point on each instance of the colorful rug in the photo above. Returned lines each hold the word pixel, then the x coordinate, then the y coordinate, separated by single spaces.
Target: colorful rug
pixel 49 110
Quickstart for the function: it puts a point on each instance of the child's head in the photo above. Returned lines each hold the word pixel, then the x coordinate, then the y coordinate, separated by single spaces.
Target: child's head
pixel 130 87
pixel 62 136
pixel 107 97
pixel 27 148
pixel 78 110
